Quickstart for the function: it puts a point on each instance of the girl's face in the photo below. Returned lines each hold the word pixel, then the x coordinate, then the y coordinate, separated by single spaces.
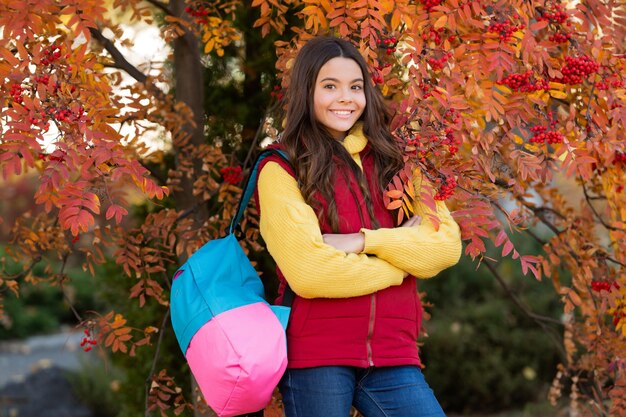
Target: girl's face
pixel 338 96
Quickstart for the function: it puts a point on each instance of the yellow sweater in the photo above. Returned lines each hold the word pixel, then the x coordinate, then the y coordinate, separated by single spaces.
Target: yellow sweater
pixel 314 269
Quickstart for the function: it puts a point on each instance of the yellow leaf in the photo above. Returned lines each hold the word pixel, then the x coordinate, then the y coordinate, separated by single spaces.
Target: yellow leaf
pixel 556 86
pixel 531 147
pixel 558 94
pixel 395 18
pixel 441 22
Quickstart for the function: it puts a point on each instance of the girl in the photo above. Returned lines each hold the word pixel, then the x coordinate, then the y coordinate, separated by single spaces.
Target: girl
pixel 352 334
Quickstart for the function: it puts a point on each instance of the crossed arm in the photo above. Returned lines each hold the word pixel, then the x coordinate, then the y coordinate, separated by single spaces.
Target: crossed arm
pixel 338 266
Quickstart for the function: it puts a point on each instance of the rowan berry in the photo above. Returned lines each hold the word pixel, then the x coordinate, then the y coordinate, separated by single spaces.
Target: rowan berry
pixel 524 82
pixel 619 158
pixel 599 286
pixel 446 190
pixel 88 341
pixel 430 4
pixel 576 69
pixel 505 29
pixel 560 37
pixel 543 135
pixel 232 175
pixel 437 64
pixel 433 35
pixel 556 15
pixel 16 93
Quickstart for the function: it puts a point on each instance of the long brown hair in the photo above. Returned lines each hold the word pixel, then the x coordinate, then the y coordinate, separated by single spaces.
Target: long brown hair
pixel 311 148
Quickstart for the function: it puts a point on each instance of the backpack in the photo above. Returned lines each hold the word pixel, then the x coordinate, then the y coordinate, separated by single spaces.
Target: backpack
pixel 233 340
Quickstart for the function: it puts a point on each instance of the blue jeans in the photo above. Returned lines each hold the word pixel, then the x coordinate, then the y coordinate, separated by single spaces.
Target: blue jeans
pixel 330 391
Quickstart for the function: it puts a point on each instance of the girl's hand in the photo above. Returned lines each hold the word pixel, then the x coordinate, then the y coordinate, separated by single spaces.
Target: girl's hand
pixel 348 242
pixel 355 242
pixel 413 221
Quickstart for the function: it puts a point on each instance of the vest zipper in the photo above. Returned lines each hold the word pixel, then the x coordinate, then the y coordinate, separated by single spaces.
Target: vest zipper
pixel 370 330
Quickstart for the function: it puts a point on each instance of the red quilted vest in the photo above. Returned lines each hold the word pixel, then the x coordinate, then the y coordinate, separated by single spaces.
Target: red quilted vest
pixel 379 329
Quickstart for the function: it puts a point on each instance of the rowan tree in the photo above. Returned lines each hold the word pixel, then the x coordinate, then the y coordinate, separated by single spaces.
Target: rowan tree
pixel 514 110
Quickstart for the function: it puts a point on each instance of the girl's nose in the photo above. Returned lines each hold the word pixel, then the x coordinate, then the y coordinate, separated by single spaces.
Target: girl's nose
pixel 345 97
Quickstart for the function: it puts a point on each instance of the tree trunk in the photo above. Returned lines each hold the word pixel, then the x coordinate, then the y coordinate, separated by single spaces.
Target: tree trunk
pixel 188 73
pixel 189 85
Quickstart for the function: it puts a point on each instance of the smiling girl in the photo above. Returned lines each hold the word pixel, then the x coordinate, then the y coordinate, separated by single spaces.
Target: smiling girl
pixel 356 314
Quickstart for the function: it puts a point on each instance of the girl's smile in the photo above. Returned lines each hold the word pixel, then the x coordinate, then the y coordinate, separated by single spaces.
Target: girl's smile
pixel 339 98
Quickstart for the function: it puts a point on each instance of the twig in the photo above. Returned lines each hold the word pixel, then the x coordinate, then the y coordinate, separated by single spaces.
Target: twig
pixel 257 135
pixel 595 212
pixel 161 6
pixel 537 238
pixel 539 319
pixel 122 63
pixel 155 359
pixel 67 298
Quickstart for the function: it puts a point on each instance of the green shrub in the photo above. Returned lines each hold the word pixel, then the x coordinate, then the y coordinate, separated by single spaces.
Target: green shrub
pixel 483 353
pixel 44 307
pixel 97 386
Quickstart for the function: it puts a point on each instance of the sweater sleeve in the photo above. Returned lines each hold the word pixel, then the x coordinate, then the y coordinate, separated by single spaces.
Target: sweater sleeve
pixel 293 237
pixel 421 250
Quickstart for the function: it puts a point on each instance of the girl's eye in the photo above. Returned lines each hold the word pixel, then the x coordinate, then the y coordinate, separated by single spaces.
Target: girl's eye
pixel 357 87
pixel 329 86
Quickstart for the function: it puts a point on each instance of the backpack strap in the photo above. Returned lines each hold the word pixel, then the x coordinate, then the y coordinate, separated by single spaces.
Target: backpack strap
pixel 248 190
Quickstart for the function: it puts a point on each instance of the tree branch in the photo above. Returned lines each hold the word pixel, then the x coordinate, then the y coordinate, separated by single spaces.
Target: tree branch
pixel 155 359
pixel 120 62
pixel 595 212
pixel 539 319
pixel 161 6
pixel 257 135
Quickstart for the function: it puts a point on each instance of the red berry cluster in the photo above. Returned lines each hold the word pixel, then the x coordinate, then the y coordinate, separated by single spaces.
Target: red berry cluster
pixel 57 156
pixel 598 286
pixel 560 37
pixel 437 64
pixel 446 188
pixel 199 13
pixel 433 35
pixel 389 44
pixel 557 15
pixel 63 115
pixel 16 93
pixel 577 68
pixel 67 115
pixel 88 341
pixel 51 54
pixel 377 75
pixel 543 135
pixel 608 83
pixel 429 4
pixel 232 175
pixel 451 141
pixel 414 141
pixel 619 158
pixel 38 119
pixel 426 89
pixel 452 116
pixel 276 93
pixel 45 79
pixel 524 82
pixel 505 29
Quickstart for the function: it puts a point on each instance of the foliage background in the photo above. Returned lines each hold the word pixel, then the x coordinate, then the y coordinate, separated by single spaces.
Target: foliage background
pixel 513 110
